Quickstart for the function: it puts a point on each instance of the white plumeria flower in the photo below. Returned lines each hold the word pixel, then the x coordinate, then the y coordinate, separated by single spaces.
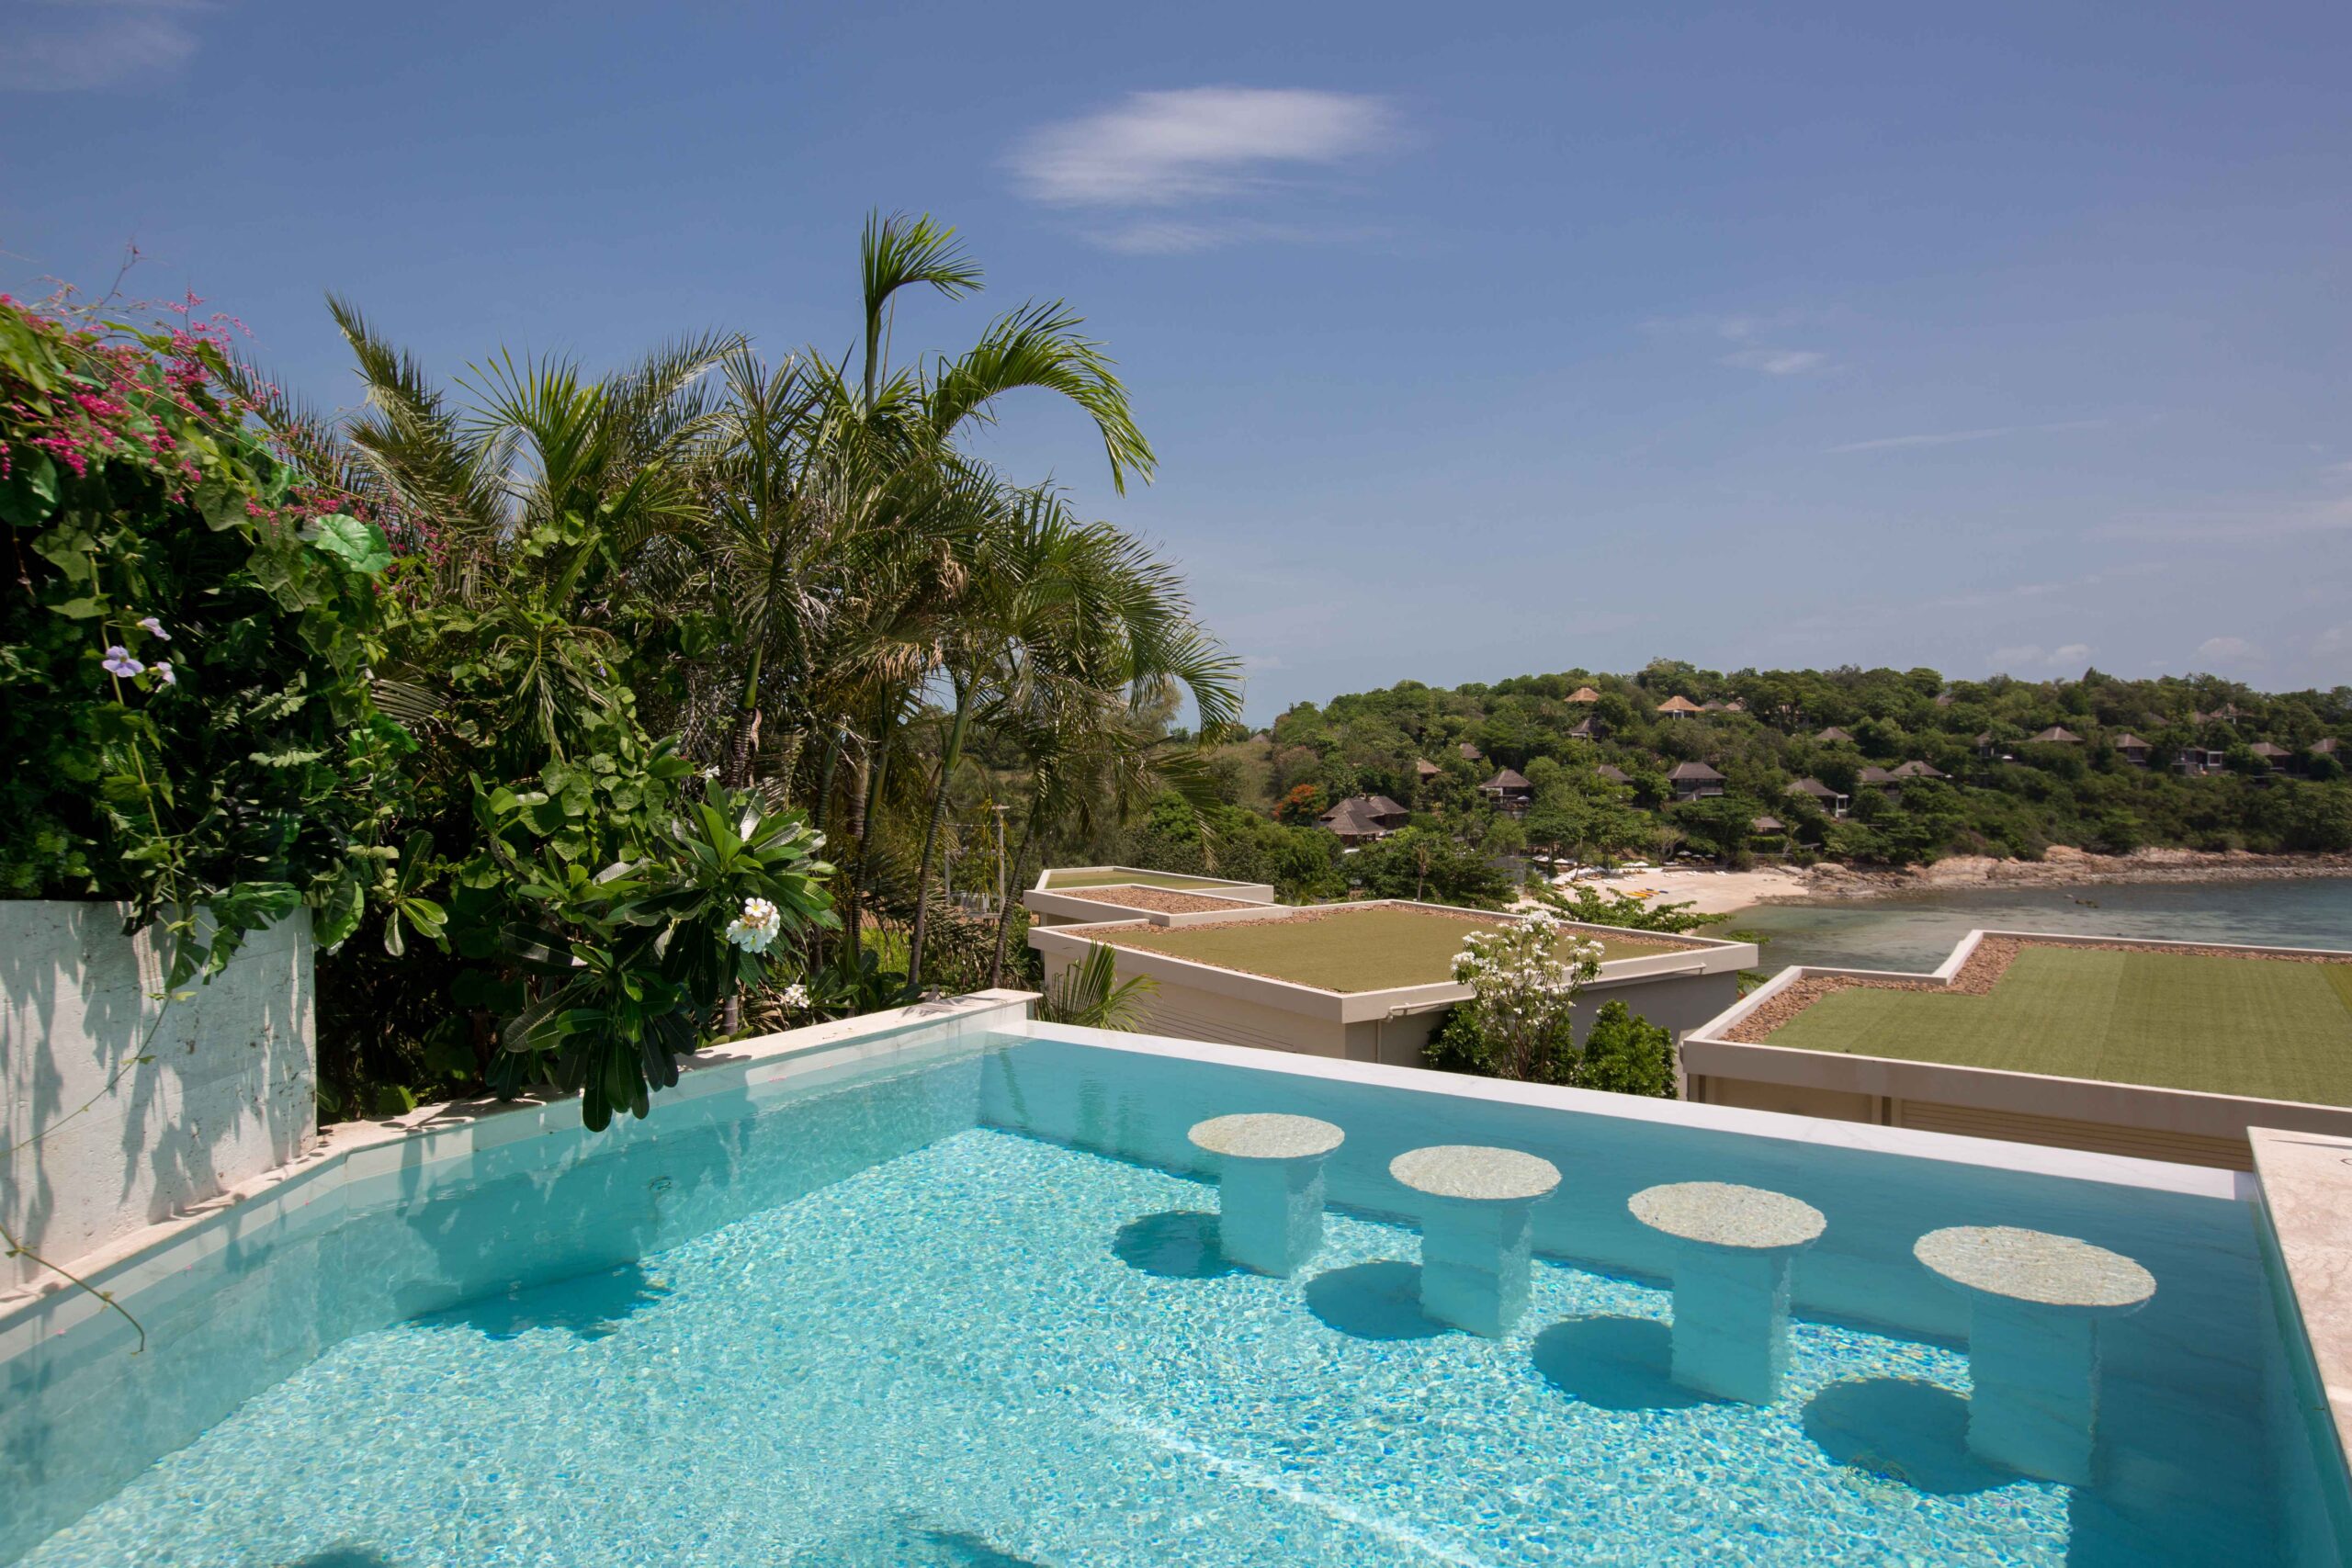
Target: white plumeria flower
pixel 153 628
pixel 163 669
pixel 756 927
pixel 709 772
pixel 119 662
pixel 794 998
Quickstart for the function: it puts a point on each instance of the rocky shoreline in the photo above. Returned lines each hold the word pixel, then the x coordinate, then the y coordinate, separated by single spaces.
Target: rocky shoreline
pixel 2062 867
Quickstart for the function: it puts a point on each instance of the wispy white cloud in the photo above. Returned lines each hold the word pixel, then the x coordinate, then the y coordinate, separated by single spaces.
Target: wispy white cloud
pixel 1778 361
pixel 2230 651
pixel 2335 640
pixel 1195 144
pixel 1954 437
pixel 60 45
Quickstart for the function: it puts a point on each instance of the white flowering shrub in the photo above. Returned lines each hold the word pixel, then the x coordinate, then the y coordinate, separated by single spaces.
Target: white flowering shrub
pixel 1523 978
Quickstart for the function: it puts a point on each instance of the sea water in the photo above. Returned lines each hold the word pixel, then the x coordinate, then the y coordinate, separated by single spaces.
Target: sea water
pixel 1917 931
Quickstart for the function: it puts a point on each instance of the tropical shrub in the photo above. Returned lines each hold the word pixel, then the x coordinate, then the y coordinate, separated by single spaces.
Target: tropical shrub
pixel 188 723
pixel 1523 978
pixel 1626 1053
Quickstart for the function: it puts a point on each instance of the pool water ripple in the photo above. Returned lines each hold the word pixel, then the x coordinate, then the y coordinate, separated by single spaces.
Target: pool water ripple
pixel 953 1358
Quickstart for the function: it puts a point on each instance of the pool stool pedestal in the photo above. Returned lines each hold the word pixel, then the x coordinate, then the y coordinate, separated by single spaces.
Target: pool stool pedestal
pixel 1732 1249
pixel 1270 1187
pixel 2035 1304
pixel 1474 1230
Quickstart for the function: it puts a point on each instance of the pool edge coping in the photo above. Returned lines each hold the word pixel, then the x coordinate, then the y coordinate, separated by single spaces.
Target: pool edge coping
pixel 2303 1184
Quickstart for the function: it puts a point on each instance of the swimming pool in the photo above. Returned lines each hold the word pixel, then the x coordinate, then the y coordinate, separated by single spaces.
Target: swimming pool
pixel 954 1297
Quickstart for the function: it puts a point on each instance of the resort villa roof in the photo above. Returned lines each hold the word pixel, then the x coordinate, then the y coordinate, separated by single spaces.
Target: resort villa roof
pixel 1062 879
pixel 1832 736
pixel 1472 752
pixel 1918 770
pixel 1508 780
pixel 1351 947
pixel 1679 706
pixel 2270 752
pixel 1613 774
pixel 1814 788
pixel 1875 776
pixel 1692 772
pixel 1711 705
pixel 1425 768
pixel 2058 735
pixel 2325 746
pixel 2127 741
pixel 1584 695
pixel 1360 816
pixel 1767 825
pixel 1582 730
pixel 2265 1023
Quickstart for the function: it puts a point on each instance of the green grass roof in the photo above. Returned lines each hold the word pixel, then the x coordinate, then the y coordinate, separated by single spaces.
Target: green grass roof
pixel 2272 1029
pixel 1131 879
pixel 1372 949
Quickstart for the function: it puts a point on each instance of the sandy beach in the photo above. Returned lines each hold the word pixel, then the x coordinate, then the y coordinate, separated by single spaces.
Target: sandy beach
pixel 1710 892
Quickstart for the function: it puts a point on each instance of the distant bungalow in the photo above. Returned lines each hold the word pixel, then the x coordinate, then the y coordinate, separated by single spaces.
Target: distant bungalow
pixel 1735 705
pixel 1510 790
pixel 1425 770
pixel 1615 775
pixel 1694 780
pixel 1584 730
pixel 1918 770
pixel 1833 736
pixel 1584 695
pixel 2057 734
pixel 1678 708
pixel 1821 794
pixel 2133 749
pixel 1471 753
pixel 1362 818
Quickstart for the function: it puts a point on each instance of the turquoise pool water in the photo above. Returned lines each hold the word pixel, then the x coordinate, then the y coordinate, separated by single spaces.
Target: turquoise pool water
pixel 970 1312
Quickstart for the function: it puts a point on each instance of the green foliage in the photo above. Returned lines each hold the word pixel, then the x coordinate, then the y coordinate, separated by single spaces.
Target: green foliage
pixel 188 721
pixel 1419 862
pixel 613 972
pixel 1626 1053
pixel 1089 993
pixel 1591 905
pixel 2005 796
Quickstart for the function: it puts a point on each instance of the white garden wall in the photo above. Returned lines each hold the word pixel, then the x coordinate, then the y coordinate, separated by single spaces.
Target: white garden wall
pixel 100 1145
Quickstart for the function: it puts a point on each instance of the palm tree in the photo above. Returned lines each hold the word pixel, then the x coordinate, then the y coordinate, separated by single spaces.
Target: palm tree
pixel 1085 607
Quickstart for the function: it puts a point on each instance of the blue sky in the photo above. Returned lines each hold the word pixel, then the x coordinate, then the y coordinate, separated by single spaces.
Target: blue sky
pixel 1473 341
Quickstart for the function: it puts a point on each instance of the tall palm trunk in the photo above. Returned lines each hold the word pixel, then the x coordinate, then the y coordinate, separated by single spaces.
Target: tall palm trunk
pixel 745 741
pixel 1004 912
pixel 950 755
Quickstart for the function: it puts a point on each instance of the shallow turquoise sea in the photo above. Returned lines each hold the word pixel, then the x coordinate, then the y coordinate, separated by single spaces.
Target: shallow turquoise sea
pixel 1919 932
pixel 997 1351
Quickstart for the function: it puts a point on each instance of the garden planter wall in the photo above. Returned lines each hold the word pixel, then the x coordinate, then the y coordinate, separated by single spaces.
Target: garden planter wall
pixel 228 1091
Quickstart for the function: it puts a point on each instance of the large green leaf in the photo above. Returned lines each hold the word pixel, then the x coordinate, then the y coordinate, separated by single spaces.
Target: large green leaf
pixel 362 545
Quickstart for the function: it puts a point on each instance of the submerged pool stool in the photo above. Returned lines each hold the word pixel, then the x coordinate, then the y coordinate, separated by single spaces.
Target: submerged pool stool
pixel 2035 1304
pixel 1270 1187
pixel 1731 1247
pixel 1474 1230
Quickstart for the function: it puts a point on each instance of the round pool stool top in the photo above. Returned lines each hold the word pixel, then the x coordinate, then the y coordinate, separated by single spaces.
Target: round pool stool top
pixel 1721 1213
pixel 1475 1174
pixel 1265 1136
pixel 2055 1271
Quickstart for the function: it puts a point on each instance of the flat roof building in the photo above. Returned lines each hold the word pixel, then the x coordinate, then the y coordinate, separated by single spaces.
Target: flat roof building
pixel 1366 981
pixel 2164 1050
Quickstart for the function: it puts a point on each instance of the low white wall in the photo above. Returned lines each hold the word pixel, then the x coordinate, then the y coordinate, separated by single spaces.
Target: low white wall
pixel 101 1143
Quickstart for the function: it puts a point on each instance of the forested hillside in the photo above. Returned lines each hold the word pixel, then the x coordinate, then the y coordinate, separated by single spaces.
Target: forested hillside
pixel 2194 762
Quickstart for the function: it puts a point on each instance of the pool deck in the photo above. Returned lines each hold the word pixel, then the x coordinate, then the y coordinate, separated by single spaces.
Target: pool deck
pixel 2305 1183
